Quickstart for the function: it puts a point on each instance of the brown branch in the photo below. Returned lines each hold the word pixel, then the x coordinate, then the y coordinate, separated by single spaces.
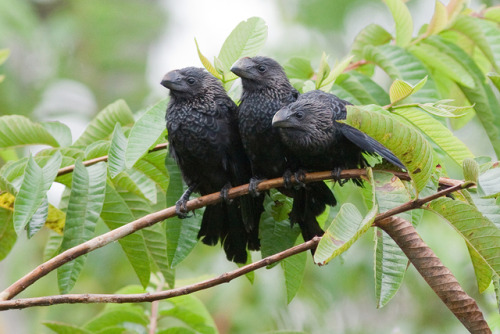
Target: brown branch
pixel 148 220
pixel 153 318
pixel 149 297
pixel 439 278
pixel 69 169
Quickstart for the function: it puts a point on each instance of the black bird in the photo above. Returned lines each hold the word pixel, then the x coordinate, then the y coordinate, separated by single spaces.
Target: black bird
pixel 204 140
pixel 266 89
pixel 309 129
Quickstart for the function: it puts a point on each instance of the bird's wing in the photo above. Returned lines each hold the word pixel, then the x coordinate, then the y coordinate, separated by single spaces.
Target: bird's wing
pixel 369 144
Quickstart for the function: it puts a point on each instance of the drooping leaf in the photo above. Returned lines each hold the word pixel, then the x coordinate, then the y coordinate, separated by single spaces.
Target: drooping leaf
pixel 84 207
pixel 101 127
pixel 61 132
pixel 116 213
pixel 8 235
pixel 116 154
pixel 246 40
pixel 406 143
pixel 181 233
pixel 294 268
pixel 17 130
pixel 372 34
pixel 52 246
pixel 403 20
pixel 478 232
pixel 437 132
pixel 145 132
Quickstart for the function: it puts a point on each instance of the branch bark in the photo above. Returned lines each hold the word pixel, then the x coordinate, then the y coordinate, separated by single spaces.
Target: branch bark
pixel 155 217
pixel 439 278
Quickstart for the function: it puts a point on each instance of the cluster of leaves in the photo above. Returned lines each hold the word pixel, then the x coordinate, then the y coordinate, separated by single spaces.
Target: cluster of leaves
pixel 449 59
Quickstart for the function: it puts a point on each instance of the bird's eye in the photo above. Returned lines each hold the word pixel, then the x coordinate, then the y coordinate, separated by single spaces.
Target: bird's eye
pixel 299 114
pixel 261 68
pixel 190 81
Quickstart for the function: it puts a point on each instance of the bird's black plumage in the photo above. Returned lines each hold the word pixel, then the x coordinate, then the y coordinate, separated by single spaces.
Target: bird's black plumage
pixel 204 140
pixel 266 89
pixel 309 128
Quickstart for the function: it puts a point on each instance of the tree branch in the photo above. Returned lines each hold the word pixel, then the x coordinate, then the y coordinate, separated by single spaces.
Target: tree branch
pixel 70 168
pixel 149 297
pixel 439 278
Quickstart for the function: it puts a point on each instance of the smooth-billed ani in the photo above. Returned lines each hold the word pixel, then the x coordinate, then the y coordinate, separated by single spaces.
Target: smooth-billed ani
pixel 309 129
pixel 204 140
pixel 266 89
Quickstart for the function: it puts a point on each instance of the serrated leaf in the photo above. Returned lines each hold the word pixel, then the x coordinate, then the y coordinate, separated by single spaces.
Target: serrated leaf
pixel 145 132
pixel 61 132
pixel 84 207
pixel 479 233
pixel 441 62
pixel 403 20
pixel 116 213
pixel 390 261
pixel 373 35
pixel 181 233
pixel 8 235
pixel 116 154
pixel 439 20
pixel 17 130
pixel 437 132
pixel 246 40
pixel 103 124
pixel 471 170
pixel 411 148
pixel 62 328
pixel 347 226
pixel 206 63
pixel 298 68
pixel 399 63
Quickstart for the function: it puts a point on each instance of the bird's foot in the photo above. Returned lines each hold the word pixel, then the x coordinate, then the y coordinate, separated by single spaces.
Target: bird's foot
pixel 287 179
pixel 252 187
pixel 299 178
pixel 336 176
pixel 181 208
pixel 224 193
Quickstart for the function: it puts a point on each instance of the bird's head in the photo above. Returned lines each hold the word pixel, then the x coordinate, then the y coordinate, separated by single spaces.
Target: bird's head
pixel 259 71
pixel 189 82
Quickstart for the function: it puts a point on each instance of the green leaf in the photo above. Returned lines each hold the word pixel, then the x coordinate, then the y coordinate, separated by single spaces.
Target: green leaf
pixel 153 166
pixel 401 89
pixel 469 26
pixel 438 60
pixel 399 63
pixel 52 246
pixel 181 233
pixel 84 207
pixel 364 89
pixel 405 142
pixel 439 20
pixel 246 40
pixel 8 235
pixel 478 232
pixel 337 70
pixel 191 311
pixel 145 133
pixel 116 213
pixel 437 132
pixel 323 70
pixel 347 226
pixel 62 328
pixel 119 315
pixel 206 63
pixel 294 268
pixel 471 170
pixel 17 130
pixel 495 78
pixel 116 154
pixel 97 149
pixel 61 132
pixel 442 110
pixel 390 261
pixel 403 20
pixel 103 124
pixel 493 14
pixel 488 183
pixel 373 35
pixel 298 68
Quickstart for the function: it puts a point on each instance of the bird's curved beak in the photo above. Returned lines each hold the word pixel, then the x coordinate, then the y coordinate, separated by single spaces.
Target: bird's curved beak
pixel 282 119
pixel 242 67
pixel 171 80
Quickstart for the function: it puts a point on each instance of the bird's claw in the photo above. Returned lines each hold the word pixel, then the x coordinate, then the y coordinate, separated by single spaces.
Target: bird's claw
pixel 181 209
pixel 287 179
pixel 252 186
pixel 224 193
pixel 336 176
pixel 299 178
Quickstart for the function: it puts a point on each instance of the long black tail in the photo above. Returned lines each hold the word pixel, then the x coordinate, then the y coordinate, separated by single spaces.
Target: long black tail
pixel 308 203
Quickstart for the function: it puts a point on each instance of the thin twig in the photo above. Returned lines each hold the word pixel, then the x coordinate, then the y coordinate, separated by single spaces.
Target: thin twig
pixel 153 319
pixel 148 297
pixel 69 169
pixel 148 220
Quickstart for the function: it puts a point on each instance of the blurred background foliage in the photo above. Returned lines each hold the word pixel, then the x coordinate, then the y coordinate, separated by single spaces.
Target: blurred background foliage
pixel 70 58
